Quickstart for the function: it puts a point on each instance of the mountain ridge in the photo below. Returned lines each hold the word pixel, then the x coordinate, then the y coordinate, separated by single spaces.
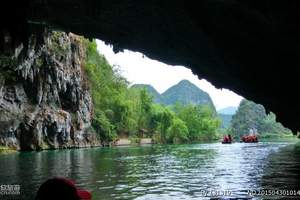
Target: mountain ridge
pixel 184 92
pixel 155 94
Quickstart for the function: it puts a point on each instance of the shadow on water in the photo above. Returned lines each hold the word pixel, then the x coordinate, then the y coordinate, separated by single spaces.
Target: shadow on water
pixel 283 172
pixel 159 172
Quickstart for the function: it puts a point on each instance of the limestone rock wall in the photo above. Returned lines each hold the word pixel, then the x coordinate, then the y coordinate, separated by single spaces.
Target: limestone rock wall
pixel 44 96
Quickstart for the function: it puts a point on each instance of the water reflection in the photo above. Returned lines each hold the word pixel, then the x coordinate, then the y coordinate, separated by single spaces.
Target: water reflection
pixel 159 172
pixel 283 172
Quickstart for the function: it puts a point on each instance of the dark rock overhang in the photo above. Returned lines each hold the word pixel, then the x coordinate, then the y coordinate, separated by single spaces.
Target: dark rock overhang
pixel 251 47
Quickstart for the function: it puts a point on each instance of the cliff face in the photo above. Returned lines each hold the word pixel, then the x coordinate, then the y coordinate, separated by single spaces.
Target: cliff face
pixel 44 97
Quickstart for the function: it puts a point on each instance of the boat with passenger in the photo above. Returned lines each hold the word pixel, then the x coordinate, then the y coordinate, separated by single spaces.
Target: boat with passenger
pixel 227 139
pixel 251 137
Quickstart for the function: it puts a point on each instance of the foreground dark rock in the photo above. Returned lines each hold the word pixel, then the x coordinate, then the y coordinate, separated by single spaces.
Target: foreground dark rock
pixel 44 97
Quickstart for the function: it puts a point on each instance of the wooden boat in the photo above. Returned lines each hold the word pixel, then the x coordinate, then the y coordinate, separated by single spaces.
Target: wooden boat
pixel 223 142
pixel 251 141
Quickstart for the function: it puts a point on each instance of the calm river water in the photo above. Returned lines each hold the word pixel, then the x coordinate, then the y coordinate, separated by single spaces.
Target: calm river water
pixel 160 172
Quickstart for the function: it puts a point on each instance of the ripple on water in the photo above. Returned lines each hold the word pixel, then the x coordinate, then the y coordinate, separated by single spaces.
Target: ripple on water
pixel 159 172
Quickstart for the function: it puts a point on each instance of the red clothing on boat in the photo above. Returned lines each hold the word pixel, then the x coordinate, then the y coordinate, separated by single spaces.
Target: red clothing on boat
pixel 225 139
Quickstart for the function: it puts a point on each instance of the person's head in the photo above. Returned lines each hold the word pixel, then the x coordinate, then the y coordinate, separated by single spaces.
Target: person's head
pixel 61 189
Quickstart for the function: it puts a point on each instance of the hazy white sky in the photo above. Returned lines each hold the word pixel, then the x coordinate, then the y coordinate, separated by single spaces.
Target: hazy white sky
pixel 137 68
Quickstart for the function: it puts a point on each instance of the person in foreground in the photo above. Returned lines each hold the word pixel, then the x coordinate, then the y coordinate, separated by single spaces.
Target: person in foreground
pixel 61 189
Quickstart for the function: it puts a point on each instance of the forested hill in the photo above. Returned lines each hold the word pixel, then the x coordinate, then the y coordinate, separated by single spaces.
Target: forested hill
pixel 186 93
pixel 253 116
pixel 183 92
pixel 157 98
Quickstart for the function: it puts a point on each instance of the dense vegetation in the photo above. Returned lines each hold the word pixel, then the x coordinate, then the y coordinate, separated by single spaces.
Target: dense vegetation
pixel 156 97
pixel 253 116
pixel 123 111
pixel 139 111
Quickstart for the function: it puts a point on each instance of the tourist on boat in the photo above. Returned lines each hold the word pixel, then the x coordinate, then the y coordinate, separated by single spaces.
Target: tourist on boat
pixel 249 138
pixel 61 188
pixel 229 138
pixel 225 139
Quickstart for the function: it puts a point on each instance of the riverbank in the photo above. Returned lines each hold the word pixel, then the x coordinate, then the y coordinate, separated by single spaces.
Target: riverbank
pixel 119 142
pixel 133 141
pixel 6 150
pixel 136 141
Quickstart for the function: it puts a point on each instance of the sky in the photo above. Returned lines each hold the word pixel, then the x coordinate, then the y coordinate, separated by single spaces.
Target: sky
pixel 137 68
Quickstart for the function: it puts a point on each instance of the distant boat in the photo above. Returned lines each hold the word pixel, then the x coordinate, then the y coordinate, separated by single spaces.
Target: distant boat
pixel 251 138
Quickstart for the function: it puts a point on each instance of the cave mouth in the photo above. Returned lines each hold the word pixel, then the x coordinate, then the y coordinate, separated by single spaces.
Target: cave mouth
pixel 238 116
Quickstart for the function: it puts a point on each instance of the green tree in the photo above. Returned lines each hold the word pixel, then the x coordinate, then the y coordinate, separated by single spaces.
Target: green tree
pixel 160 121
pixel 145 109
pixel 103 127
pixel 112 112
pixel 200 120
pixel 177 132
